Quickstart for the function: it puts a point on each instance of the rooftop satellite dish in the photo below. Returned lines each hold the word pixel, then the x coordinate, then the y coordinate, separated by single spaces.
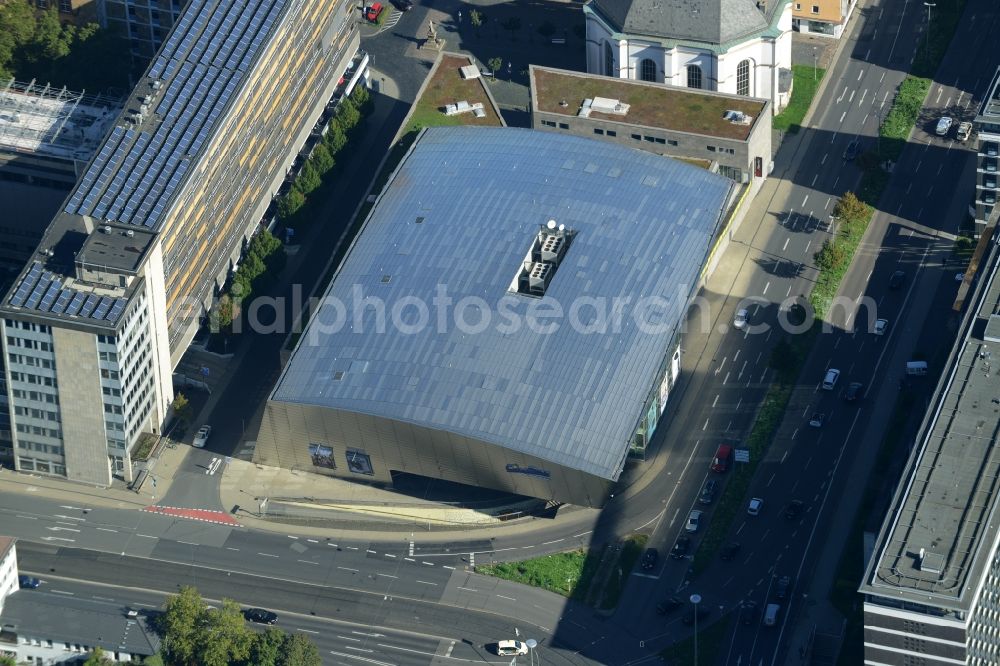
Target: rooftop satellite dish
pixel 551 224
pixel 562 227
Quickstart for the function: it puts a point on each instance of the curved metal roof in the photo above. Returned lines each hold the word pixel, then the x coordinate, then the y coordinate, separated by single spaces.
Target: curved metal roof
pixel 456 222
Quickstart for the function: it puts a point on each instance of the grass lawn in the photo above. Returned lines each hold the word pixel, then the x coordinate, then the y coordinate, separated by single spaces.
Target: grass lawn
pixel 712 640
pixel 569 574
pixel 805 81
pixel 651 105
pixel 627 557
pixel 448 87
pixel 572 574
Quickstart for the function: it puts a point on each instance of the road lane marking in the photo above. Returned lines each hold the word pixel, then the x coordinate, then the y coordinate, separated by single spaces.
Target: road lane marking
pixel 190 543
pixel 766 286
pixel 822 161
pixel 385 575
pixel 448 567
pixel 546 543
pixel 860 74
pixel 266 555
pixel 786 450
pixel 714 403
pixel 348 569
pixel 424 582
pixel 467 589
pixel 308 562
pixel 389 555
pixel 768 484
pixel 430 564
pixel 231 548
pixel 409 559
pixel 145 536
pixel 107 529
pixel 508 598
pixel 805 200
pixel 842 116
pixel 816 176
pixel 68 594
pixel 785 246
pixel 369 550
pixel 705 427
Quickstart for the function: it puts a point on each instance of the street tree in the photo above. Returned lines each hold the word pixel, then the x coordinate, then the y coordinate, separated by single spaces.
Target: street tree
pixel 299 651
pixel 182 620
pixel 267 647
pixel 495 64
pixel 182 408
pixel 224 637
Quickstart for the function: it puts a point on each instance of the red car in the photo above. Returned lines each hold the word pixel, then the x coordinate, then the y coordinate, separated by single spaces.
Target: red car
pixel 373 12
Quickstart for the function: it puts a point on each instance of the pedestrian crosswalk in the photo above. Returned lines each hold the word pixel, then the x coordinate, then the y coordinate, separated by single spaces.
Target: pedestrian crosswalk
pixel 393 19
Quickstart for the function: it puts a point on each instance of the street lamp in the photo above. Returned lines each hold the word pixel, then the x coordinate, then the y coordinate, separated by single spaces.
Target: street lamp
pixel 927 36
pixel 695 599
pixel 532 644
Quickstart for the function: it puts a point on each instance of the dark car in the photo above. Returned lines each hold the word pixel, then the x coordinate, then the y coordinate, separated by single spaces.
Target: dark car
pixel 854 391
pixel 403 5
pixel 852 150
pixel 708 492
pixel 680 549
pixel 897 279
pixel 729 552
pixel 260 616
pixel 794 509
pixel 28 582
pixel 668 606
pixel 702 611
pixel 650 558
pixel 748 613
pixel 781 587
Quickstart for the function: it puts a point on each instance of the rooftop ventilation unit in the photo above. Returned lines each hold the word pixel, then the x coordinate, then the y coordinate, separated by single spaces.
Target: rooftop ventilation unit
pixel 544 256
pixel 930 562
pixel 612 107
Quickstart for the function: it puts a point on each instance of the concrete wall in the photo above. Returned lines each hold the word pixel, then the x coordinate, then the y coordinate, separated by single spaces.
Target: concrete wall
pixel 82 409
pixel 673 144
pixel 8 571
pixel 288 430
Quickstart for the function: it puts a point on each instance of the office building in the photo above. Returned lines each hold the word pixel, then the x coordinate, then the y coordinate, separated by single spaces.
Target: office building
pixel 143 23
pixel 429 355
pixel 932 587
pixel 987 141
pixel 129 266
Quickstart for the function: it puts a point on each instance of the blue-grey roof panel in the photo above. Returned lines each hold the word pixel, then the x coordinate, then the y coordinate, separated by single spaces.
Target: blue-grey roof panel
pixel 643 226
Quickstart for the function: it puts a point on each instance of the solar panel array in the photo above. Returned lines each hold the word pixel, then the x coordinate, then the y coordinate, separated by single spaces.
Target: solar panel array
pixel 202 64
pixel 43 291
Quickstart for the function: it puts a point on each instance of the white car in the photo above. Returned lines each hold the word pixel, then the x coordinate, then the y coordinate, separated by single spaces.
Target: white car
pixel 755 506
pixel 830 380
pixel 694 522
pixel 740 321
pixel 944 124
pixel 201 437
pixel 817 420
pixel 881 326
pixel 511 648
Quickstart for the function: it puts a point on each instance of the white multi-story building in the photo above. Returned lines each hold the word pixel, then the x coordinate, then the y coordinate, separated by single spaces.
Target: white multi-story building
pixel 932 588
pixel 987 126
pixel 740 47
pixel 8 569
pixel 127 270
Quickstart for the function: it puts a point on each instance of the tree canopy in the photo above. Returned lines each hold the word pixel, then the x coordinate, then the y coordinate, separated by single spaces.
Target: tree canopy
pixel 37 45
pixel 196 635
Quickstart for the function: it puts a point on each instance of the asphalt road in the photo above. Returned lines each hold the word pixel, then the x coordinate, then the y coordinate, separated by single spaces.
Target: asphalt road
pixel 338 642
pixel 442 615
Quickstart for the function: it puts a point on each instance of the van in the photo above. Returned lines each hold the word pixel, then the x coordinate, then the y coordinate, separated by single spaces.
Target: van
pixel 723 458
pixel 771 615
pixel 918 368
